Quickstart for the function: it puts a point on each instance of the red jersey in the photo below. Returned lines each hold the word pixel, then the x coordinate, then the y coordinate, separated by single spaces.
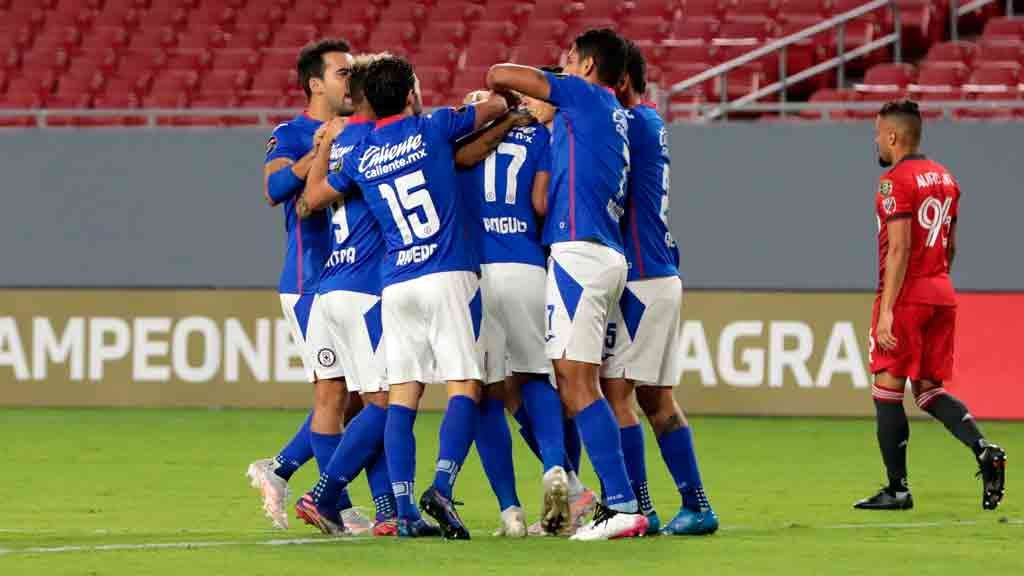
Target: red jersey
pixel 926 193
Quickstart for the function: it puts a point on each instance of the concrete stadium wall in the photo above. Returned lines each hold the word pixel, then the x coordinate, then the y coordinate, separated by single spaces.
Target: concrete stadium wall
pixel 754 207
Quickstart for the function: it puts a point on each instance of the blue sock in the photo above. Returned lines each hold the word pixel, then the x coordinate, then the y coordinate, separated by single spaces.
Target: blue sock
pixel 681 460
pixel 362 440
pixel 600 434
pixel 494 445
pixel 573 447
pixel 400 451
pixel 633 454
pixel 380 487
pixel 296 452
pixel 458 429
pixel 324 446
pixel 544 408
pixel 526 431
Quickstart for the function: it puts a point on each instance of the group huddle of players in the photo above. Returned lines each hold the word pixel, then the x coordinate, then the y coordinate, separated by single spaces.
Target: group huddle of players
pixel 517 249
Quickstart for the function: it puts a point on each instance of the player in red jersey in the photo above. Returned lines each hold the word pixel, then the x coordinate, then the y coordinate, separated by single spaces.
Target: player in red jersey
pixel 914 319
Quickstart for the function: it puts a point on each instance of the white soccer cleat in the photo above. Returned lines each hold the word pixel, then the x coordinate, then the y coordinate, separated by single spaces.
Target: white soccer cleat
pixel 513 523
pixel 273 488
pixel 581 506
pixel 556 500
pixel 356 523
pixel 610 525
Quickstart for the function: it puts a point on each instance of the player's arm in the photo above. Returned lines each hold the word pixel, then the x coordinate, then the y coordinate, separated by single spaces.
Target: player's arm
pixel 951 244
pixel 494 107
pixel 284 176
pixel 524 79
pixel 896 261
pixel 318 192
pixel 476 147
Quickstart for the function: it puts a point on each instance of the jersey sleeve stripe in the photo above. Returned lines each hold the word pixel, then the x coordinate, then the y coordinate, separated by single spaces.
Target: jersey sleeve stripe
pixel 572 180
pixel 298 253
pixel 636 240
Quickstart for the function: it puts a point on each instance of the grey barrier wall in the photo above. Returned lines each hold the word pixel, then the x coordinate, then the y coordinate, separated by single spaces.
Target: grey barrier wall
pixel 767 206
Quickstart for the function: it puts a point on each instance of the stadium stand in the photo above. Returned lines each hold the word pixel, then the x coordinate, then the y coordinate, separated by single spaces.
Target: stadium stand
pixel 240 53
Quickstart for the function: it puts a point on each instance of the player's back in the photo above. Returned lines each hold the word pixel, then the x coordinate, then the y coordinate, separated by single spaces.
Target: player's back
pixel 501 187
pixel 357 246
pixel 307 245
pixel 925 192
pixel 650 249
pixel 406 169
pixel 589 165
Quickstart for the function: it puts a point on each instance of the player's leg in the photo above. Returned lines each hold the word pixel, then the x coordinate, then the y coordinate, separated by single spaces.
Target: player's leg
pixel 619 393
pixel 408 361
pixel 933 398
pixel 456 314
pixel 494 446
pixel 271 476
pixel 675 440
pixel 584 281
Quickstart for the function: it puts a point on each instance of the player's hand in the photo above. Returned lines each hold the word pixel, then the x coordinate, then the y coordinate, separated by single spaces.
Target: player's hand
pixel 318 136
pixel 883 331
pixel 333 128
pixel 521 117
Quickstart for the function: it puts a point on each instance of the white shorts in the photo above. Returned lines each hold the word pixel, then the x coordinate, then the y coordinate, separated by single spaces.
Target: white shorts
pixel 297 310
pixel 642 342
pixel 345 340
pixel 513 319
pixel 432 328
pixel 585 281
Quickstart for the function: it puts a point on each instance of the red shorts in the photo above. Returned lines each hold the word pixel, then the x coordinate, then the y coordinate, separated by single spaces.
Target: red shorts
pixel 924 348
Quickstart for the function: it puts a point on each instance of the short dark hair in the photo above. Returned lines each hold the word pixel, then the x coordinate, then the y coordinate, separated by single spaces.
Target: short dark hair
pixel 388 83
pixel 553 69
pixel 311 60
pixel 636 68
pixel 906 112
pixel 608 50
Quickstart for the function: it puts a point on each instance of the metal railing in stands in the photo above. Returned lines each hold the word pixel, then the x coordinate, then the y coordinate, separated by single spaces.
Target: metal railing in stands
pixel 838 22
pixel 956 11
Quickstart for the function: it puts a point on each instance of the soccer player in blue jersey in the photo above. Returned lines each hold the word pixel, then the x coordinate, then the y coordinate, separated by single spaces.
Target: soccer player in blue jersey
pixel 643 350
pixel 323 69
pixel 345 331
pixel 431 303
pixel 587 269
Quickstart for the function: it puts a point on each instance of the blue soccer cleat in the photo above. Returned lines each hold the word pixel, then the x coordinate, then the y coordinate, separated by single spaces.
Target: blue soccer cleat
pixel 418 528
pixel 653 523
pixel 690 523
pixel 442 509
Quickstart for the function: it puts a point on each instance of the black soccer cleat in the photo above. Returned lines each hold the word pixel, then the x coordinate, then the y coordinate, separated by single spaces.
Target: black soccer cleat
pixel 886 499
pixel 992 464
pixel 442 509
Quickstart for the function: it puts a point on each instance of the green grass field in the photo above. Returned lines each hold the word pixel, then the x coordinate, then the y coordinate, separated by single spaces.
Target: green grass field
pixel 163 492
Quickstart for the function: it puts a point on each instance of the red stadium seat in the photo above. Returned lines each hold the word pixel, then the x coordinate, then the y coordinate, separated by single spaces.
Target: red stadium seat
pixel 694 31
pixel 127 85
pixel 57 38
pixel 665 9
pixel 210 15
pixel 80 81
pixel 355 33
pixel 181 81
pixel 940 82
pixel 467 81
pixel 830 96
pixel 184 59
pixel 994 77
pixel 434 99
pixel 227 99
pixel 553 31
pixel 643 30
pixel 260 100
pixel 857 34
pixel 445 56
pixel 201 38
pixel 896 76
pixel 116 100
pixel 704 9
pixel 408 11
pixel 434 78
pixel 494 32
pixel 161 15
pixel 392 36
pixel 538 54
pixel 69 19
pixel 276 80
pixel 611 9
pixel 754 10
pixel 676 72
pixel 816 8
pixel 248 36
pixel 558 10
pixel 515 11
pixel 224 81
pixel 740 82
pixel 952 53
pixel 673 54
pixel 129 18
pixel 921 24
pixel 150 38
pixel 172 99
pixel 294 36
pixel 999 50
pixel 455 33
pixel 456 11
pixel 745 32
pixel 484 54
pixel 31 17
pixel 580 25
pixel 103 37
pixel 1005 27
pixel 236 60
pixel 279 59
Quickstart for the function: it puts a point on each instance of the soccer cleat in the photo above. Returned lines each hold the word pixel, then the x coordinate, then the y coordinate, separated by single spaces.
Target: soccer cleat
pixel 387 527
pixel 306 510
pixel 418 528
pixel 355 522
pixel 442 509
pixel 273 488
pixel 537 529
pixel 690 523
pixel 580 507
pixel 653 523
pixel 513 523
pixel 886 499
pixel 556 499
pixel 992 462
pixel 609 524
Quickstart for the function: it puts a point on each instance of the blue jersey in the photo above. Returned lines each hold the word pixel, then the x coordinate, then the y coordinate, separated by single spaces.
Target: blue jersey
pixel 307 246
pixel 650 250
pixel 406 170
pixel 589 164
pixel 357 246
pixel 502 187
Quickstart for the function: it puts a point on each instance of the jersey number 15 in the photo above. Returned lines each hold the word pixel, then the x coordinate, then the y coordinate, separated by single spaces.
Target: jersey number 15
pixel 408 194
